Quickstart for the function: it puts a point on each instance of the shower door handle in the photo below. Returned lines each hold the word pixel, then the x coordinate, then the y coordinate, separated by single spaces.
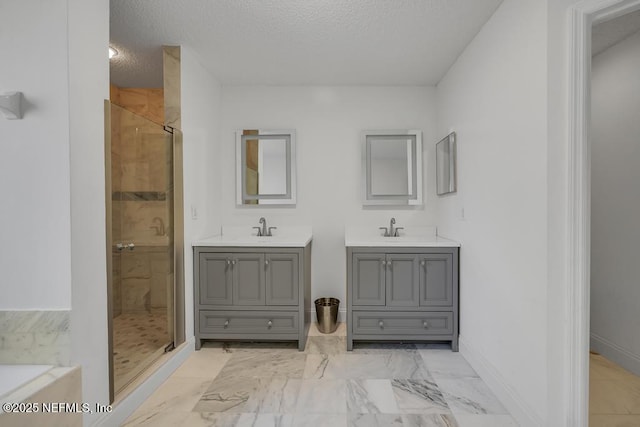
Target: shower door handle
pixel 122 246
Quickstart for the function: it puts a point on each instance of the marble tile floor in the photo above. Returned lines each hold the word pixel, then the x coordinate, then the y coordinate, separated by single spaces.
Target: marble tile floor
pixel 272 384
pixel 614 394
pixel 137 340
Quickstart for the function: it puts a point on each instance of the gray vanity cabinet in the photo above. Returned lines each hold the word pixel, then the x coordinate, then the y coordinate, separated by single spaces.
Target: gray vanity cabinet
pixel 256 294
pixel 436 280
pixel 282 279
pixel 402 294
pixel 248 272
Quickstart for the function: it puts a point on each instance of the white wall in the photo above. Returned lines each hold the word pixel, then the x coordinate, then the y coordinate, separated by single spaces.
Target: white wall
pixel 200 99
pixel 52 172
pixel 328 122
pixel 88 27
pixel 615 203
pixel 35 257
pixel 557 189
pixel 494 97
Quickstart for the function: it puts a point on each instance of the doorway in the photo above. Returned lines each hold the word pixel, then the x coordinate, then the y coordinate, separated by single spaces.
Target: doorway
pixel 615 208
pixel 577 332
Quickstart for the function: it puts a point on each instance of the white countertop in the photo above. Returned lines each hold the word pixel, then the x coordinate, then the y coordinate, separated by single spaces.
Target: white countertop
pixel 417 237
pixel 245 236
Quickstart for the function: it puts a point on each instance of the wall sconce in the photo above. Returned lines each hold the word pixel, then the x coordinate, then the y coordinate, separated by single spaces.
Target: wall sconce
pixel 11 105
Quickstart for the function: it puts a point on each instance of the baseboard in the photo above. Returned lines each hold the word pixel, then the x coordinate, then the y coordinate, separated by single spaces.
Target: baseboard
pixel 127 406
pixel 342 315
pixel 523 413
pixel 615 353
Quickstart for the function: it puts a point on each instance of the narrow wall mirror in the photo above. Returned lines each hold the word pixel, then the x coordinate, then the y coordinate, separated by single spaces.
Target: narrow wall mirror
pixel 265 167
pixel 392 166
pixel 446 165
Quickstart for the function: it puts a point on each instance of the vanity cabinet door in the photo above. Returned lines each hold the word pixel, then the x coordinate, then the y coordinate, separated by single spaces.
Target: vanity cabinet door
pixel 215 279
pixel 282 279
pixel 402 280
pixel 369 278
pixel 248 279
pixel 436 275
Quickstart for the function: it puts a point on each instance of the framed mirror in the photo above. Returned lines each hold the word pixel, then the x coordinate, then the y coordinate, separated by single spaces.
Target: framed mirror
pixel 446 165
pixel 392 166
pixel 265 167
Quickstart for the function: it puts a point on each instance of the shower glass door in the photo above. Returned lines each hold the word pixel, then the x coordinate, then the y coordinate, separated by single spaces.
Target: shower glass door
pixel 142 244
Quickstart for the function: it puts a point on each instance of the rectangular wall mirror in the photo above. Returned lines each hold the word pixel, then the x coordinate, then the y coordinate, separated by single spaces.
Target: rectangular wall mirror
pixel 392 166
pixel 446 165
pixel 265 167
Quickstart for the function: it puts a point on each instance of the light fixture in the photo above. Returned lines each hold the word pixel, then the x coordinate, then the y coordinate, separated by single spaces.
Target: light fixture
pixel 112 52
pixel 11 105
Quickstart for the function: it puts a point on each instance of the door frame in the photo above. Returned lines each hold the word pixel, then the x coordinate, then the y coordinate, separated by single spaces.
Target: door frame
pixel 582 17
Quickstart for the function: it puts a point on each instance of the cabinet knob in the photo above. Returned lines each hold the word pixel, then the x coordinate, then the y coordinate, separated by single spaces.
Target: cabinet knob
pixel 266 262
pixel 383 262
pixel 423 263
pixel 226 323
pixel 228 261
pixel 425 324
pixel 381 324
pixel 234 261
pixel 269 323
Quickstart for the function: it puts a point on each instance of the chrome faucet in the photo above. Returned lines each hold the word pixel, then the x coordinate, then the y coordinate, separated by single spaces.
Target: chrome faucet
pixel 264 230
pixel 160 227
pixel 391 231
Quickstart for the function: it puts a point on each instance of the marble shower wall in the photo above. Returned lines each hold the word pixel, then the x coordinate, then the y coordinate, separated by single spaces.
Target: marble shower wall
pixel 171 76
pixel 144 277
pixel 141 171
pixel 35 337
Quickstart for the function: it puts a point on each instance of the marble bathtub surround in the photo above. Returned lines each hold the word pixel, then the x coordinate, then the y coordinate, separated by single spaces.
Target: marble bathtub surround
pixel 35 337
pixel 272 384
pixel 62 384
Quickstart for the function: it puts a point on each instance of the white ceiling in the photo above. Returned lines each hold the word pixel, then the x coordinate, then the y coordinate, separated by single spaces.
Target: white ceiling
pixel 297 42
pixel 608 33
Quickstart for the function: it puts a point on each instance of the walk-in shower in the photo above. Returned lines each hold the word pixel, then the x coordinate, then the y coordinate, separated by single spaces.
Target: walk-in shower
pixel 144 239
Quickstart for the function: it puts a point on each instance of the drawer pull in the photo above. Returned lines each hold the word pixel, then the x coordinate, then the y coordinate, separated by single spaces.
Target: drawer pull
pixel 269 324
pixel 228 261
pixel 381 324
pixel 234 262
pixel 226 323
pixel 425 324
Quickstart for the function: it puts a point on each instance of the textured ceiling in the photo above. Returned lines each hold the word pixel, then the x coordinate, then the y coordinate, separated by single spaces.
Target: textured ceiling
pixel 297 42
pixel 608 33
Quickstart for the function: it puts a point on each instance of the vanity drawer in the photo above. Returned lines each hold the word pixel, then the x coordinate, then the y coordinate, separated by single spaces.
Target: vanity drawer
pixel 253 322
pixel 402 323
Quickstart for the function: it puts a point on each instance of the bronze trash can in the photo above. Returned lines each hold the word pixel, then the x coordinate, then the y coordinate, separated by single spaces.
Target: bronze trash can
pixel 327 314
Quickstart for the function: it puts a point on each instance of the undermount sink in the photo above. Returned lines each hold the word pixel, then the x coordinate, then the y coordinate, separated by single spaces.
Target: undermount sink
pixel 292 236
pixel 408 237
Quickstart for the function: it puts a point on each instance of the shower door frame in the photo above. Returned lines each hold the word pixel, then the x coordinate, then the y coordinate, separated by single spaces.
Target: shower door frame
pixel 178 241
